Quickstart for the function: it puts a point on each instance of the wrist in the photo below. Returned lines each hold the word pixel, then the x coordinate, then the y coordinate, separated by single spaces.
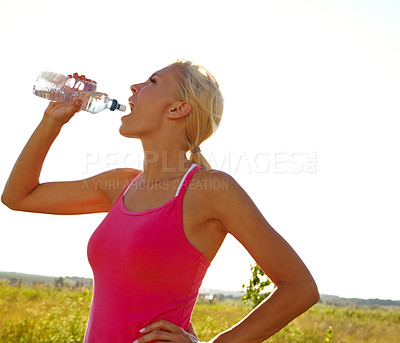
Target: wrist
pixel 51 123
pixel 224 337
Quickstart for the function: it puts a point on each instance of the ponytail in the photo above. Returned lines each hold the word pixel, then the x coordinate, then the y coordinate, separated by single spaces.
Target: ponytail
pixel 199 88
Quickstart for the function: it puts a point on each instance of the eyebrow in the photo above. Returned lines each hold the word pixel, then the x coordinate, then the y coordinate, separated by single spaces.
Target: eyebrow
pixel 154 74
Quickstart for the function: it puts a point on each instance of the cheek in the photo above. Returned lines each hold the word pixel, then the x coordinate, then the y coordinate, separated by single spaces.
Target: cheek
pixel 152 102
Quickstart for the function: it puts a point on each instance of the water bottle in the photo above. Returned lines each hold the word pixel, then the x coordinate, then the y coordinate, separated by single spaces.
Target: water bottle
pixel 60 88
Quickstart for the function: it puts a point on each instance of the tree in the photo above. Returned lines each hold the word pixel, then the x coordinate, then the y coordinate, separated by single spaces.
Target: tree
pixel 59 282
pixel 257 283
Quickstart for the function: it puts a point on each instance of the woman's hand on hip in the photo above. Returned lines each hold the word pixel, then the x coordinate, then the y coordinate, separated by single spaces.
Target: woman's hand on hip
pixel 165 332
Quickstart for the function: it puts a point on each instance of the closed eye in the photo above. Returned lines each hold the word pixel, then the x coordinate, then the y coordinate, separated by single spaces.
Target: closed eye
pixel 152 79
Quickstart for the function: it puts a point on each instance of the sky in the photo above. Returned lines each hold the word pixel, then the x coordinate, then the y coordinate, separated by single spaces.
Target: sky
pixel 310 124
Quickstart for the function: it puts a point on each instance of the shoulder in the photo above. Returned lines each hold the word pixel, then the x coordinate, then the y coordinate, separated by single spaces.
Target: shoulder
pixel 118 177
pixel 123 173
pixel 219 192
pixel 215 182
pixel 113 182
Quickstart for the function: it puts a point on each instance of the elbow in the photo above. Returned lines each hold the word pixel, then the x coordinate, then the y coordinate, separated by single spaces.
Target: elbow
pixel 14 199
pixel 315 293
pixel 311 293
pixel 5 200
pixel 304 293
pixel 9 202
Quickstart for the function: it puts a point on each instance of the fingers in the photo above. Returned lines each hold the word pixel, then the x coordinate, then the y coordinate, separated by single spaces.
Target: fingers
pixel 159 336
pixel 81 77
pixel 163 325
pixel 75 106
pixel 191 330
pixel 164 331
pixel 62 113
pixel 70 111
pixel 77 103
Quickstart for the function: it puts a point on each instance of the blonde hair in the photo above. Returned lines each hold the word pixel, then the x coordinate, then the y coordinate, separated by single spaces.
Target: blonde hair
pixel 200 89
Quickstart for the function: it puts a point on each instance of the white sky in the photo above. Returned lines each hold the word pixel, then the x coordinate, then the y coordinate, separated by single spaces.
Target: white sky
pixel 310 127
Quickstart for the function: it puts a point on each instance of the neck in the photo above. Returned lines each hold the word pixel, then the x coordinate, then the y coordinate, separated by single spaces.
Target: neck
pixel 163 160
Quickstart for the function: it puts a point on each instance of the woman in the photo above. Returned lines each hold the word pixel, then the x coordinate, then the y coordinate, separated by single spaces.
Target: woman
pixel 166 223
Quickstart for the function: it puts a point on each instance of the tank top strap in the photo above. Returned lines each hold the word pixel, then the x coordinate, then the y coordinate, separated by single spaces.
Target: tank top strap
pixel 184 184
pixel 129 184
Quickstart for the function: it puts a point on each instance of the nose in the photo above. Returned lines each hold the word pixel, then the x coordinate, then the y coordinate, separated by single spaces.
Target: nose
pixel 134 88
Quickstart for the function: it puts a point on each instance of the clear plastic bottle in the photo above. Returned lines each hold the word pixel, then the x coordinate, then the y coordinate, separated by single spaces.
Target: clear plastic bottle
pixel 60 88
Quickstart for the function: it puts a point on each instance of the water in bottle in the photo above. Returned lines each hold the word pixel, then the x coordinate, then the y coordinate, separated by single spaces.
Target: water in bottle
pixel 60 88
pixel 95 102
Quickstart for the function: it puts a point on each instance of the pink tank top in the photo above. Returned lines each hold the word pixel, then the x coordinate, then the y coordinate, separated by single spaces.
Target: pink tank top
pixel 145 269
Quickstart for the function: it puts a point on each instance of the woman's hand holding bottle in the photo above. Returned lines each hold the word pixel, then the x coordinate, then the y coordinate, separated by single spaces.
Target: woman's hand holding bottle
pixel 67 89
pixel 60 113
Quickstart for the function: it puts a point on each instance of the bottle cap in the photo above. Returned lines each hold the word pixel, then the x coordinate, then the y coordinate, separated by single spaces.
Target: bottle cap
pixel 121 108
pixel 116 106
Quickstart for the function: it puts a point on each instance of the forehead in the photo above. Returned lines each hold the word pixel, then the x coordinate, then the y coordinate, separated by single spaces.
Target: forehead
pixel 168 73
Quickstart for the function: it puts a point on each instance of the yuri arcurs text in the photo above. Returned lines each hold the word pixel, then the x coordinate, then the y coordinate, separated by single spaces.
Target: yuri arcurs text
pixel 155 185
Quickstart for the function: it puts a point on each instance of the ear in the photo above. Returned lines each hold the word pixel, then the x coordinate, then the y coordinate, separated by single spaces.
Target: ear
pixel 179 110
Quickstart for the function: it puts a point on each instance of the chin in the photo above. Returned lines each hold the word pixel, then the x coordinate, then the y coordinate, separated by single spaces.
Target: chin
pixel 126 133
pixel 123 132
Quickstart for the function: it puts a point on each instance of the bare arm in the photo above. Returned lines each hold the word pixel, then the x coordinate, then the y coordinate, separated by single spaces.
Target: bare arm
pixel 296 290
pixel 24 192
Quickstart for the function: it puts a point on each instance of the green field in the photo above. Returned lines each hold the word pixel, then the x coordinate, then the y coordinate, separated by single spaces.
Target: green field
pixel 45 313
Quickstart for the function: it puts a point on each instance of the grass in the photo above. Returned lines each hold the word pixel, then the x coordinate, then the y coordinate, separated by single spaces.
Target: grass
pixel 44 313
pixel 321 324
